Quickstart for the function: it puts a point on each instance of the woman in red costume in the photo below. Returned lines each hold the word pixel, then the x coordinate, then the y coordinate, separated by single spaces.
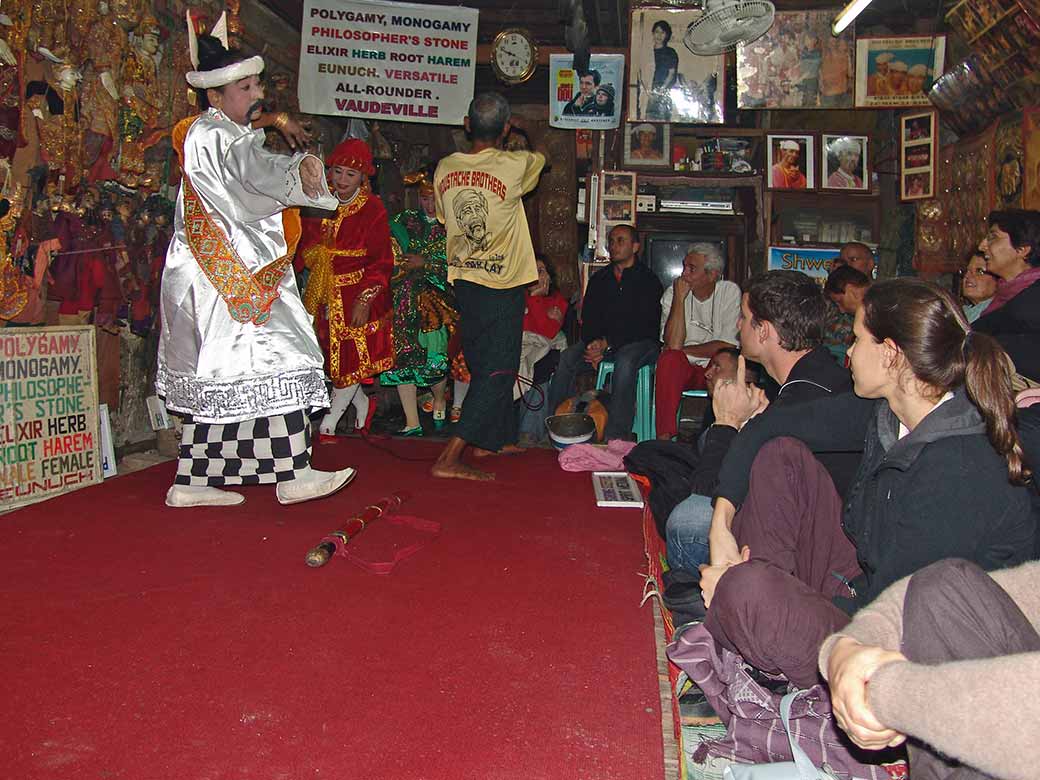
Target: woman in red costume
pixel 350 258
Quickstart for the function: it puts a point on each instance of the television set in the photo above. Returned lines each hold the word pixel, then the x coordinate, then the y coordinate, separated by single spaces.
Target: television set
pixel 664 252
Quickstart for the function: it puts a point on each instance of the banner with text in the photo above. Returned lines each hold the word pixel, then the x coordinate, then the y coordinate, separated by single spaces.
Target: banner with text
pixel 49 442
pixel 383 60
pixel 816 263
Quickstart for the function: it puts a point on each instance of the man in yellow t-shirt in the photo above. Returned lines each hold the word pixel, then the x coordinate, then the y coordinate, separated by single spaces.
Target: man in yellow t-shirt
pixel 490 262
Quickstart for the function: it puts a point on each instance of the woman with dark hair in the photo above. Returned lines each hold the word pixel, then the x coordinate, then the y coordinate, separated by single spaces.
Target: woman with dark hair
pixel 666 72
pixel 941 476
pixel 1012 252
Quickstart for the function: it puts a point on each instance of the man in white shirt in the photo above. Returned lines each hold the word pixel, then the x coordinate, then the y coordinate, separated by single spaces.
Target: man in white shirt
pixel 699 313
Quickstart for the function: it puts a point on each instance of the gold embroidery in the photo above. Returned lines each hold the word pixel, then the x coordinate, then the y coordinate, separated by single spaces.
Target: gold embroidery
pixel 323 289
pixel 248 296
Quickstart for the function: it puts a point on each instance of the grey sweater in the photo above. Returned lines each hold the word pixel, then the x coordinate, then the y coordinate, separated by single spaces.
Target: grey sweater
pixel 984 713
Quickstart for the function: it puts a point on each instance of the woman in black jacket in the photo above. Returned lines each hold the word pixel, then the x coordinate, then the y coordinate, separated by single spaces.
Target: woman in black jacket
pixel 1011 249
pixel 941 476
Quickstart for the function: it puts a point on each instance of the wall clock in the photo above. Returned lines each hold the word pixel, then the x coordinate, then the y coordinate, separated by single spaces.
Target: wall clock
pixel 513 56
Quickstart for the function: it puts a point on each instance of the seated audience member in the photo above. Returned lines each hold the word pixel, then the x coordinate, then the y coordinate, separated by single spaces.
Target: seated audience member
pixel 1012 252
pixel 918 662
pixel 941 476
pixel 845 288
pixel 781 326
pixel 544 310
pixel 838 333
pixel 698 318
pixel 857 255
pixel 620 314
pixel 978 286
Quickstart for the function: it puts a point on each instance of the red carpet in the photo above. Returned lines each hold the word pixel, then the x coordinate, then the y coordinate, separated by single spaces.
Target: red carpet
pixel 139 642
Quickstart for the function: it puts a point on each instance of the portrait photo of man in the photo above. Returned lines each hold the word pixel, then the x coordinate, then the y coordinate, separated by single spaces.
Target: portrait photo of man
pixel 790 163
pixel 845 166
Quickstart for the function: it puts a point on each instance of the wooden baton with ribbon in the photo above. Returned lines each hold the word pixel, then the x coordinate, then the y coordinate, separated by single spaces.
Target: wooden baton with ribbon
pixel 337 540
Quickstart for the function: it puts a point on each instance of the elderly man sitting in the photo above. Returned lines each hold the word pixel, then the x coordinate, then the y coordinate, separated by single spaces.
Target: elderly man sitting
pixel 699 315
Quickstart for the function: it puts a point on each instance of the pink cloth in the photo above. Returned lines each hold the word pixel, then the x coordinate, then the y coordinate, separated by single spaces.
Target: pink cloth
pixel 1008 290
pixel 591 457
pixel 1027 398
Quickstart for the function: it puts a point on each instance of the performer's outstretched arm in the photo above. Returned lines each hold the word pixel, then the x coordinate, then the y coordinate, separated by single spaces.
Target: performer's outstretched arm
pixel 263 183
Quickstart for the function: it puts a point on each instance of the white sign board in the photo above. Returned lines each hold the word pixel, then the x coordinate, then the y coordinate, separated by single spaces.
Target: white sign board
pixel 49 441
pixel 391 61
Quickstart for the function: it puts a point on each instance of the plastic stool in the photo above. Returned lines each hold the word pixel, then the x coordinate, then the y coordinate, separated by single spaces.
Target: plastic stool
pixel 645 421
pixel 679 419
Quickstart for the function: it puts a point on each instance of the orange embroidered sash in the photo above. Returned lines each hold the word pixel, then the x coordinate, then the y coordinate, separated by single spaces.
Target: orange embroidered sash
pixel 248 296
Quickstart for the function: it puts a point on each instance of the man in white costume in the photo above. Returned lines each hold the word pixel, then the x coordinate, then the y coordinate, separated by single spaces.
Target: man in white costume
pixel 237 353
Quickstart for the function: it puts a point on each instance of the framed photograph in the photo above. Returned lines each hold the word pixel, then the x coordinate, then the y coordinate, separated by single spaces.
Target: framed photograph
pixel 586 99
pixel 898 71
pixel 616 205
pixel 918 147
pixel 791 162
pixel 845 162
pixel 647 145
pixel 666 82
pixel 797 64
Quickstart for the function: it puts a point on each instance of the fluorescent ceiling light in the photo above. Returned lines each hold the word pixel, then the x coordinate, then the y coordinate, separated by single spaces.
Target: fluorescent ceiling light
pixel 848 15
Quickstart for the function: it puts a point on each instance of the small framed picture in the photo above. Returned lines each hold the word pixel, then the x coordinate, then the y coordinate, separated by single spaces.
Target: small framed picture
pixel 648 145
pixel 918 146
pixel 845 163
pixel 616 205
pixel 791 162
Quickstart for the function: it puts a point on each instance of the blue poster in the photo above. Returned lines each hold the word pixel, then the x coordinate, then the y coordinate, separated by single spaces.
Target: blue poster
pixel 586 100
pixel 813 262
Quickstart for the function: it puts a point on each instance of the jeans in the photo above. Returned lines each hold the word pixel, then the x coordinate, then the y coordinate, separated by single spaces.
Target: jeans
pixel 686 533
pixel 627 362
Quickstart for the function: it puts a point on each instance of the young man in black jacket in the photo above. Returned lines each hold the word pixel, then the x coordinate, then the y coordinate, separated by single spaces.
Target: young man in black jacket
pixel 781 326
pixel 620 317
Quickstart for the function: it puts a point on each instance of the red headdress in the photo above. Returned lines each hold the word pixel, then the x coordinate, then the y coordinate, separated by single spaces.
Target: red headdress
pixel 352 153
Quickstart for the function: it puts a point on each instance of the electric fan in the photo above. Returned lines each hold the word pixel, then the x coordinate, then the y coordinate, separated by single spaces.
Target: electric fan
pixel 728 23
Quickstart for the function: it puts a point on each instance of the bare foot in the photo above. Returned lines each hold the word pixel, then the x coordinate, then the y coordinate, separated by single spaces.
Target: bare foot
pixel 509 449
pixel 459 470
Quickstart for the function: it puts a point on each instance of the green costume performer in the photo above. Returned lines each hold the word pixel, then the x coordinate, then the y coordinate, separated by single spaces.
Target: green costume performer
pixel 424 312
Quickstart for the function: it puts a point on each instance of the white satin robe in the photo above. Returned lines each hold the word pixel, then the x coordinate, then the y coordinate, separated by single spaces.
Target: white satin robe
pixel 210 366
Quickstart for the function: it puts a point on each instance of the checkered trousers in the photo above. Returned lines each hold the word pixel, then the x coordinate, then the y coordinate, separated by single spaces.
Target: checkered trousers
pixel 253 452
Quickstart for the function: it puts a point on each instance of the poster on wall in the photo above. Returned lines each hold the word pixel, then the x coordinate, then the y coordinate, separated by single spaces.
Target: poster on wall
pixel 816 263
pixel 589 99
pixel 898 71
pixel 797 64
pixel 381 60
pixel 667 82
pixel 49 440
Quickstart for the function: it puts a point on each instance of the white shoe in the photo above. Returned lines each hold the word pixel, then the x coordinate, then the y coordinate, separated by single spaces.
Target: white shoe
pixel 316 484
pixel 197 495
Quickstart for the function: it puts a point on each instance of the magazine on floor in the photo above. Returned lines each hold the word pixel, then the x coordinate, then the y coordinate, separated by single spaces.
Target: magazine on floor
pixel 616 488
